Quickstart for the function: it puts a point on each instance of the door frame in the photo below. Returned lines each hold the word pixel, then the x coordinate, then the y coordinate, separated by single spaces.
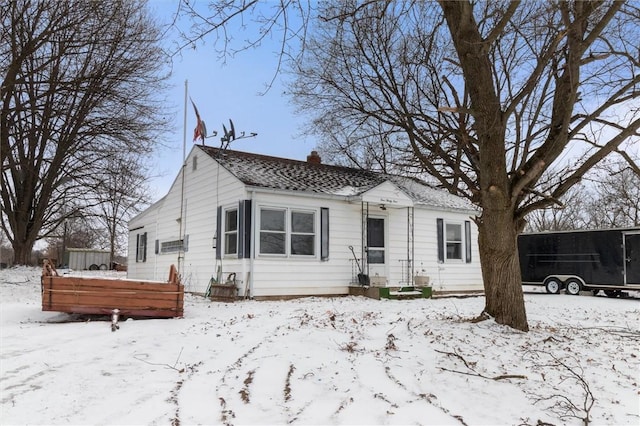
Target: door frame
pixel 625 259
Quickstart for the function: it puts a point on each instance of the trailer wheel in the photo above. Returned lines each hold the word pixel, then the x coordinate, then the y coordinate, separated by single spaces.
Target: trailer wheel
pixel 552 285
pixel 103 267
pixel 573 286
pixel 94 267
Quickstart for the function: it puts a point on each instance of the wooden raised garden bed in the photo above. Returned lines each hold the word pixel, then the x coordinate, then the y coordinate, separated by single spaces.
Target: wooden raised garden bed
pixel 84 295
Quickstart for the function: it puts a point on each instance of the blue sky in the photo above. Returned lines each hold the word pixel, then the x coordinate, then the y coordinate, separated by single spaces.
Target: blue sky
pixel 224 91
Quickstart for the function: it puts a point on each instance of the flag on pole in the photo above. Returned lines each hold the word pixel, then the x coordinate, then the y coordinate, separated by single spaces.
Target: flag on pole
pixel 200 132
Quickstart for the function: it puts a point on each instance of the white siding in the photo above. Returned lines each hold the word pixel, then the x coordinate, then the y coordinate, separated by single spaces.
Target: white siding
pixel 204 188
pixel 447 276
pixel 210 186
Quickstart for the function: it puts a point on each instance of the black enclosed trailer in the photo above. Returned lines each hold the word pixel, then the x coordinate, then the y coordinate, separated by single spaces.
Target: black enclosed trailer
pixel 606 260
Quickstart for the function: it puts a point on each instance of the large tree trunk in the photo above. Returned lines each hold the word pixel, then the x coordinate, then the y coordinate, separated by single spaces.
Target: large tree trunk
pixel 497 227
pixel 22 251
pixel 501 269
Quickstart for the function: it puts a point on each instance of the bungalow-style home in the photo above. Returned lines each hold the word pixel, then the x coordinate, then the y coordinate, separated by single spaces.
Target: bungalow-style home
pixel 281 228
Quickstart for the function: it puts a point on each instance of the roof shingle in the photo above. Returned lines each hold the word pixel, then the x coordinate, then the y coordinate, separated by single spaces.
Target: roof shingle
pixel 264 171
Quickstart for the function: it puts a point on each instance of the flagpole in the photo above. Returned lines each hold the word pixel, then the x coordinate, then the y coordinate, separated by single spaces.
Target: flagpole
pixel 184 159
pixel 184 127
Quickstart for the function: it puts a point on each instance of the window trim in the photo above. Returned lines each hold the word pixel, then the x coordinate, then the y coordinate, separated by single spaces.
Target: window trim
pixel 225 212
pixel 288 233
pixel 460 242
pixel 141 247
pixel 314 233
pixel 259 229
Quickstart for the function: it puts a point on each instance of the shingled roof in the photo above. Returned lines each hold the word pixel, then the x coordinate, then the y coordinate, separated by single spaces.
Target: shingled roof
pixel 264 171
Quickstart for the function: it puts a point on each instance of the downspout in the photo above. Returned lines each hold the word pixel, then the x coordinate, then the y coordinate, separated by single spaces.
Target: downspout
pixel 252 242
pixel 184 169
pixel 155 255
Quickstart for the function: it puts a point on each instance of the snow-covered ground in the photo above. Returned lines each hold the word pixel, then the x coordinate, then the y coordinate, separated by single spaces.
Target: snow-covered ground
pixel 347 360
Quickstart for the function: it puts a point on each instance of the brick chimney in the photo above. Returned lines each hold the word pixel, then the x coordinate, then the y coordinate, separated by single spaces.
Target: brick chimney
pixel 314 158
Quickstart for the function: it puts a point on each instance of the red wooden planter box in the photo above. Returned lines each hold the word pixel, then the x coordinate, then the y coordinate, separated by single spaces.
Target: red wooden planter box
pixel 84 295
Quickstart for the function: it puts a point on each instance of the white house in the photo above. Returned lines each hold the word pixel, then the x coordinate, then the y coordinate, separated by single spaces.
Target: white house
pixel 290 228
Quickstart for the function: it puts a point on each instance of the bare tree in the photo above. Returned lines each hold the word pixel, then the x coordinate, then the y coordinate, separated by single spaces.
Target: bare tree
pixel 572 214
pixel 508 104
pixel 615 197
pixel 120 192
pixel 608 197
pixel 74 232
pixel 81 81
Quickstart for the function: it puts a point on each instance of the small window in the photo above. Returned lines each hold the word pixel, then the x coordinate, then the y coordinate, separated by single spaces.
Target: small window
pixel 194 164
pixel 453 243
pixel 303 237
pixel 272 231
pixel 231 231
pixel 141 247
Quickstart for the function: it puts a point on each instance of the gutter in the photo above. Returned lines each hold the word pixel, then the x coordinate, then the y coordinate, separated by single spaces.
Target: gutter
pixel 355 198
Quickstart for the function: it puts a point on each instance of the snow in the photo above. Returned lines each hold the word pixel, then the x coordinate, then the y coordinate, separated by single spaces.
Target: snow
pixel 347 360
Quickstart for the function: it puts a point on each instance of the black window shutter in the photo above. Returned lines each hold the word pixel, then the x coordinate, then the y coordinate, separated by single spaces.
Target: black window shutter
pixel 157 249
pixel 467 240
pixel 244 229
pixel 246 235
pixel 324 233
pixel 240 238
pixel 219 233
pixel 144 255
pixel 440 228
pixel 138 248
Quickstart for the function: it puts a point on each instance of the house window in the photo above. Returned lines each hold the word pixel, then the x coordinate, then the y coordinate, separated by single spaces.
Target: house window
pixel 287 232
pixel 453 235
pixel 194 164
pixel 141 247
pixel 273 232
pixel 303 237
pixel 231 231
pixel 454 241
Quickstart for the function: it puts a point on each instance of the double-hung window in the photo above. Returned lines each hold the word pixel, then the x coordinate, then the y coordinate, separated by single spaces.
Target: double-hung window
pixel 287 232
pixel 141 247
pixel 273 231
pixel 454 241
pixel 303 234
pixel 231 232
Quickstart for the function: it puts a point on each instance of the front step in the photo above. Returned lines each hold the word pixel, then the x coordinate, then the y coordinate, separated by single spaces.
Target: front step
pixel 404 293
